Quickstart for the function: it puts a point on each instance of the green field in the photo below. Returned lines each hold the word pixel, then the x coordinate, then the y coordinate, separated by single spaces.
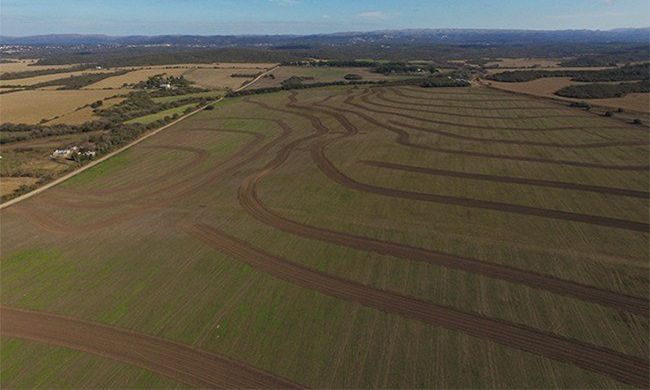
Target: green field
pixel 280 229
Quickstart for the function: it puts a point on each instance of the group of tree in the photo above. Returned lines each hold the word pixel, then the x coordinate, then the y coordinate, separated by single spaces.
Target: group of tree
pixel 160 81
pixel 402 68
pixel 603 91
pixel 443 82
pixel 245 75
pixel 42 72
pixel 624 73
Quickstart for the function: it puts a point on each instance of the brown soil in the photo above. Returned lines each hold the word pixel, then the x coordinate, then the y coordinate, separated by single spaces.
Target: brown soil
pixel 179 362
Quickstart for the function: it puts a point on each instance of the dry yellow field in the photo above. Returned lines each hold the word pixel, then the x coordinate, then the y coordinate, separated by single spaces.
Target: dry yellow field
pixel 48 77
pixel 319 74
pixel 216 75
pixel 540 87
pixel 547 87
pixel 83 115
pixel 499 70
pixel 20 107
pixel 633 101
pixel 26 65
pixel 218 78
pixel 133 77
pixel 11 184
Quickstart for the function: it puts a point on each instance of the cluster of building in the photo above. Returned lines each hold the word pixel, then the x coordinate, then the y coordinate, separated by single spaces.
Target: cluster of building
pixel 71 152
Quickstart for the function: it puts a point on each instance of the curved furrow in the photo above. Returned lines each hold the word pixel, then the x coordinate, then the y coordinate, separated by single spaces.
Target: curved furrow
pixel 558 145
pixel 510 179
pixel 403 138
pixel 147 202
pixel 200 156
pixel 381 95
pixel 250 201
pixel 624 368
pixel 182 363
pixel 365 98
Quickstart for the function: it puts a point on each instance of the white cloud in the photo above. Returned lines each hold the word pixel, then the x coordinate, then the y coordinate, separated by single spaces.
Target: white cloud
pixel 372 15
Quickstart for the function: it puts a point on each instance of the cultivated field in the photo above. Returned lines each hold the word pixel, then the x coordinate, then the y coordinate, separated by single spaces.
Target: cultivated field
pixel 27 65
pixel 220 78
pixel 342 237
pixel 546 87
pixel 32 106
pixel 316 75
pixel 133 77
pixel 11 184
pixel 525 63
pixel 29 81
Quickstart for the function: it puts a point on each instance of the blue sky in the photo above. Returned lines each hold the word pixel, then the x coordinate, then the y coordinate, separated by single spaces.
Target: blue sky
pixel 206 17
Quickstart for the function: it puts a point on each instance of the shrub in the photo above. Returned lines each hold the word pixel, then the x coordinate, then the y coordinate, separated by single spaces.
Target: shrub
pixel 352 76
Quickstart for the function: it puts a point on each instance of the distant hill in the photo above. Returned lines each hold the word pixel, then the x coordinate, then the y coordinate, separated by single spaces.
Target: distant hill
pixel 411 36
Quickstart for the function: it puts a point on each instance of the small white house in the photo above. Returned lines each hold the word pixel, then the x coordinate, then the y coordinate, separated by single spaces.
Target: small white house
pixel 166 86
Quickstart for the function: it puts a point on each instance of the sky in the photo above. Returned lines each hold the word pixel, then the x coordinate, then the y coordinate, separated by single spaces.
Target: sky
pixel 217 17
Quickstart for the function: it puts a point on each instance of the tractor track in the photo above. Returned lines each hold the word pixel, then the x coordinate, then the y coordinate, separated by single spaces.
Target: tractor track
pixel 403 138
pixel 381 95
pixel 318 155
pixel 510 179
pixel 624 368
pixel 366 99
pixel 250 201
pixel 182 363
pixel 146 203
pixel 591 145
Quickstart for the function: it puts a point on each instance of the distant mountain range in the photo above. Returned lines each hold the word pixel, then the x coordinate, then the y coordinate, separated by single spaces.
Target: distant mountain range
pixel 387 37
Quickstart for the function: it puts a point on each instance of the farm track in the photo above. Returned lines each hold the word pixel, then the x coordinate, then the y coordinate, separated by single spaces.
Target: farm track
pixel 250 201
pixel 624 368
pixel 366 99
pixel 182 363
pixel 510 180
pixel 403 138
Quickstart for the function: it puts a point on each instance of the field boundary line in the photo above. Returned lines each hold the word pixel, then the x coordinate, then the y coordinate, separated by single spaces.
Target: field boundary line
pixel 123 148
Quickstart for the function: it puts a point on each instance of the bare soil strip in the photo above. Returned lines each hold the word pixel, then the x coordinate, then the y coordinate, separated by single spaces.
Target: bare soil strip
pixel 510 179
pixel 624 368
pixel 250 201
pixel 403 138
pixel 179 362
